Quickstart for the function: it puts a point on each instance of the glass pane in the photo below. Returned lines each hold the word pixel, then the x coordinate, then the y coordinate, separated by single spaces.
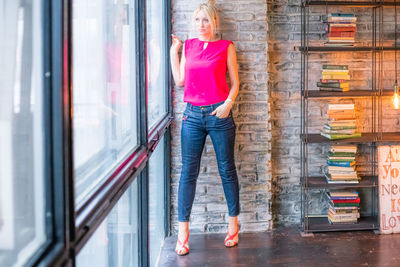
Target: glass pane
pixel 104 90
pixel 156 201
pixel 115 242
pixel 22 194
pixel 156 61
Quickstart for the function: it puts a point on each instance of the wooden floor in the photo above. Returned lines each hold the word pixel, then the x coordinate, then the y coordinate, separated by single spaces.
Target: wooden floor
pixel 286 247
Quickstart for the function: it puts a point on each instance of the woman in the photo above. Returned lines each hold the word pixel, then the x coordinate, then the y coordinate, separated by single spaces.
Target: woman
pixel 202 72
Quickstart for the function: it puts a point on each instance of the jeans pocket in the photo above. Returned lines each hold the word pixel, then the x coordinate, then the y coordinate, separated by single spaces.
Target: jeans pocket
pixel 186 115
pixel 225 123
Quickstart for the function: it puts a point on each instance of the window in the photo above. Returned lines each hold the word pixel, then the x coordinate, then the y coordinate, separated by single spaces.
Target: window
pixel 115 242
pixel 104 90
pixel 156 60
pixel 22 152
pixel 156 200
pixel 73 107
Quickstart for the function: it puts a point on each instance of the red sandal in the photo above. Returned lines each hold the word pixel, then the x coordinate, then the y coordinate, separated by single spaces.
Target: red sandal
pixel 182 249
pixel 232 240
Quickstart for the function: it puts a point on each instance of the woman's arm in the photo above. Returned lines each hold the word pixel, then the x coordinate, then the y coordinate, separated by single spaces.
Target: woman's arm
pixel 178 69
pixel 233 73
pixel 223 110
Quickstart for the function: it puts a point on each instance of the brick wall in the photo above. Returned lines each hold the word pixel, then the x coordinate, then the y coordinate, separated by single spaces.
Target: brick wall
pixel 268 115
pixel 245 23
pixel 284 85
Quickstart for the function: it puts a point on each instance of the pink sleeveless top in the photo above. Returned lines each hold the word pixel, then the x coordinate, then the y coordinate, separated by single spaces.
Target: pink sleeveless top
pixel 205 72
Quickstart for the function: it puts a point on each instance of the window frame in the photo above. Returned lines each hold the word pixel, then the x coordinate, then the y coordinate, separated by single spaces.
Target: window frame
pixel 72 228
pixel 84 221
pixel 93 211
pixel 53 250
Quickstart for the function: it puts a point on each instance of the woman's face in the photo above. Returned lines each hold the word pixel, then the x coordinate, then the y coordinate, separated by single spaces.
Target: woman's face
pixel 203 25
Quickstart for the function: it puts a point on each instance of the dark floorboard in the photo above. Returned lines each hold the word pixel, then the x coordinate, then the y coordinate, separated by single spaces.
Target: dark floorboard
pixel 286 247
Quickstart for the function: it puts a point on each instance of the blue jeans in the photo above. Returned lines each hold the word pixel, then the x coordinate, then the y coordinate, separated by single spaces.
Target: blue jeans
pixel 196 124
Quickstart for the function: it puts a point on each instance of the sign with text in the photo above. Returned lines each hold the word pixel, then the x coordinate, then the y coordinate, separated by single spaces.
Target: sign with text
pixel 389 189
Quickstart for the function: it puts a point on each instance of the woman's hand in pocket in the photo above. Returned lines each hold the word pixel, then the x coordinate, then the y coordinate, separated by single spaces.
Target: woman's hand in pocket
pixel 222 111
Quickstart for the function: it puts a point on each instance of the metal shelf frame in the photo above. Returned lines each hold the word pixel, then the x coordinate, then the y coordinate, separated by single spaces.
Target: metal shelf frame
pixel 344 48
pixel 352 93
pixel 321 224
pixel 348 3
pixel 317 224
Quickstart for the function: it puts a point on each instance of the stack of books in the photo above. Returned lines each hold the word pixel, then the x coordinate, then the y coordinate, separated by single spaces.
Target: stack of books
pixel 341 29
pixel 341 122
pixel 343 206
pixel 334 78
pixel 342 165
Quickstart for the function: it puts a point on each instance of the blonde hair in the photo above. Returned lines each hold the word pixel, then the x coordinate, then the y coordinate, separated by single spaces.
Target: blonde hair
pixel 211 12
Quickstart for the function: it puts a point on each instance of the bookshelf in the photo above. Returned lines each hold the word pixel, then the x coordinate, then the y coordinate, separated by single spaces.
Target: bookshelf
pixel 352 93
pixel 318 224
pixel 365 138
pixel 309 182
pixel 319 182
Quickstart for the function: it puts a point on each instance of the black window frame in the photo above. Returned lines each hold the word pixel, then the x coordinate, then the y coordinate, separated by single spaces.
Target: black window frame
pixel 70 228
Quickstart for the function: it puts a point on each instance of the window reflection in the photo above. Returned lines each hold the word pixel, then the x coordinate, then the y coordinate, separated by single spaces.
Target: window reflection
pixel 22 188
pixel 104 91
pixel 156 37
pixel 115 242
pixel 157 201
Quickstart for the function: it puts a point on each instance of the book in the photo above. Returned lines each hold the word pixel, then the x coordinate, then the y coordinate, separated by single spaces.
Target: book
pixel 342 177
pixel 341 169
pixel 342 25
pixel 345 204
pixel 339 127
pixel 340 39
pixel 333 84
pixel 351 208
pixel 332 80
pixel 334 71
pixel 344 215
pixel 339 19
pixel 342 192
pixel 342 15
pixel 334 40
pixel 328 131
pixel 340 163
pixel 342 182
pixel 340 160
pixel 345 197
pixel 341 122
pixel 335 221
pixel 341 154
pixel 334 67
pixel 340 34
pixel 340 106
pixel 341 116
pixel 338 77
pixel 336 201
pixel 338 27
pixel 341 136
pixel 331 72
pixel 337 148
pixel 340 111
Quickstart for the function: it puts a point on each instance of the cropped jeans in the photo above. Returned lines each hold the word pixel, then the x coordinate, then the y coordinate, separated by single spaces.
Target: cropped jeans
pixel 197 123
